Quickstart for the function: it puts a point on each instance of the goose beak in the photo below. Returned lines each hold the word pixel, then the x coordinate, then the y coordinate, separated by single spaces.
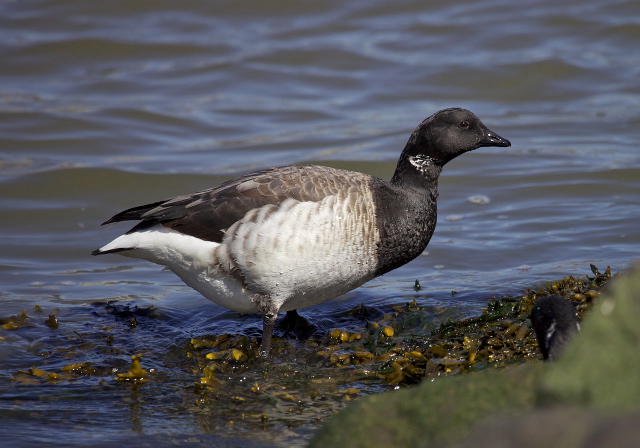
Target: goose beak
pixel 490 138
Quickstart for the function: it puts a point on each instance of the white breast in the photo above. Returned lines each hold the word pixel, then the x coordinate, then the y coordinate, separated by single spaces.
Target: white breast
pixel 303 253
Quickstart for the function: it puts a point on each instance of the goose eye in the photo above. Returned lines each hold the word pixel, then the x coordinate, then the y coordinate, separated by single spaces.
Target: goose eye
pixel 464 125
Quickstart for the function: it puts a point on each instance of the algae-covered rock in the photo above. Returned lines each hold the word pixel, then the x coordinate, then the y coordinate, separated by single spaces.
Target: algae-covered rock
pixel 434 412
pixel 596 374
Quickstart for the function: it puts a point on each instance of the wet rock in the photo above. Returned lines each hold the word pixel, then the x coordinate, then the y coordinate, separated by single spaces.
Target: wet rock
pixel 558 428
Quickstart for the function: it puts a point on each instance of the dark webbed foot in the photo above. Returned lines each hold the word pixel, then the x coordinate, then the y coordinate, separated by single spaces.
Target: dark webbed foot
pixel 296 326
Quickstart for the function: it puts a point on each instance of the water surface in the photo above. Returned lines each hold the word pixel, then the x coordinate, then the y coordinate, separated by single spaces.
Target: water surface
pixel 105 106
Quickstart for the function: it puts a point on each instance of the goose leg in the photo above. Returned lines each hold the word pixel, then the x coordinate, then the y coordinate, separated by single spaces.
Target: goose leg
pixel 268 323
pixel 269 315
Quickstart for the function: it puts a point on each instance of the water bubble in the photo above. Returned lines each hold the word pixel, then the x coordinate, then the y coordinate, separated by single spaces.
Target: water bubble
pixel 68 283
pixel 479 199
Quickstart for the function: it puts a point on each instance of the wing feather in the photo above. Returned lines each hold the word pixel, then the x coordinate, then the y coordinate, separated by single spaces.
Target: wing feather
pixel 207 214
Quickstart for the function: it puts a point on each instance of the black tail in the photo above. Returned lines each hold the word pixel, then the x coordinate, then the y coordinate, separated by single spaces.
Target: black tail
pixel 112 251
pixel 133 214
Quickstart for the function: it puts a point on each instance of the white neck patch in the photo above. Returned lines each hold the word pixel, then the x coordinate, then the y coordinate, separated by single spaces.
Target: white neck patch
pixel 421 162
pixel 550 331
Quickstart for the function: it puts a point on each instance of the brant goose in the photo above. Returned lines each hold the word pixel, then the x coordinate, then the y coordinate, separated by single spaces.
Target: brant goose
pixel 290 237
pixel 555 322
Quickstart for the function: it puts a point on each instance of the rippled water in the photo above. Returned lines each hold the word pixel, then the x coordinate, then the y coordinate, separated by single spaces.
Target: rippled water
pixel 107 105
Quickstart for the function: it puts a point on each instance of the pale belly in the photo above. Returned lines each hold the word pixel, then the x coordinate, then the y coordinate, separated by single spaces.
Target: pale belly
pixel 289 293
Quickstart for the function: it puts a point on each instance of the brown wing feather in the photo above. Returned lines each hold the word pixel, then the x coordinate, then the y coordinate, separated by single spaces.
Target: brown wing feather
pixel 209 213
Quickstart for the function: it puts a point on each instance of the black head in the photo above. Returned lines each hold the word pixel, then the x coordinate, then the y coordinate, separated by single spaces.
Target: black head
pixel 451 132
pixel 439 139
pixel 554 322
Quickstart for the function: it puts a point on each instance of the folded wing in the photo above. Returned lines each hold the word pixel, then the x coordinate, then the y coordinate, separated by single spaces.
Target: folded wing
pixel 207 214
